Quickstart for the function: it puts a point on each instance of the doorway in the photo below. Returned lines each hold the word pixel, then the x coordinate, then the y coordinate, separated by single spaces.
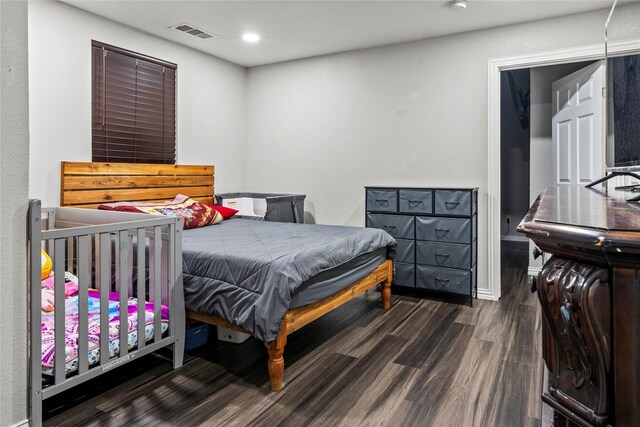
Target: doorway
pixel 515 93
pixel 526 152
pixel 541 173
pixel 491 289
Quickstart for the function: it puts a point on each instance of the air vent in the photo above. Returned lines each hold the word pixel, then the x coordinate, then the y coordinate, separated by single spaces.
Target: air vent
pixel 194 31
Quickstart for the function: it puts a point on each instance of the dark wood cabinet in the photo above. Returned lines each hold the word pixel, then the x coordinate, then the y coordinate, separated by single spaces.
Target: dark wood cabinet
pixel 589 293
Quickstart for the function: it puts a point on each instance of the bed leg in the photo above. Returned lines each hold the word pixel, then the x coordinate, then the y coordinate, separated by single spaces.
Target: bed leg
pixel 275 365
pixel 386 295
pixel 386 289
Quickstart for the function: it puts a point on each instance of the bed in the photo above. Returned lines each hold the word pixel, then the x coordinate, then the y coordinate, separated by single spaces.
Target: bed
pixel 93 260
pixel 264 279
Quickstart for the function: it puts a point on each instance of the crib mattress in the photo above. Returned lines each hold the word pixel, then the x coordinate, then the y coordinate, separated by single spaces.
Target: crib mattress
pixel 71 330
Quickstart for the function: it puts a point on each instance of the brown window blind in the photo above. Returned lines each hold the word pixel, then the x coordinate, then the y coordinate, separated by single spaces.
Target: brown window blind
pixel 133 108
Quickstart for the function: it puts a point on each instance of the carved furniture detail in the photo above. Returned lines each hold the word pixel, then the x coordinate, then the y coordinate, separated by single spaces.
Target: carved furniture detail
pixel 575 299
pixel 589 293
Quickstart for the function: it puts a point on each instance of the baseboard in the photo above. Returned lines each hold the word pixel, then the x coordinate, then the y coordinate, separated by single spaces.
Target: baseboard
pixel 510 238
pixel 533 271
pixel 485 294
pixel 23 423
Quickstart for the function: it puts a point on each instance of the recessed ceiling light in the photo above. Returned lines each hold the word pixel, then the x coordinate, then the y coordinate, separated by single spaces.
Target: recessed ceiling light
pixel 251 37
pixel 458 4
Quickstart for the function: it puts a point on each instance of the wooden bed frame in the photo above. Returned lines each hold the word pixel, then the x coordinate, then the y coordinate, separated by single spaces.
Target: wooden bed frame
pixel 87 185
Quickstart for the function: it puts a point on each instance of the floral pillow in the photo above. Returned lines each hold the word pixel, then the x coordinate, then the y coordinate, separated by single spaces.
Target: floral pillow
pixel 195 214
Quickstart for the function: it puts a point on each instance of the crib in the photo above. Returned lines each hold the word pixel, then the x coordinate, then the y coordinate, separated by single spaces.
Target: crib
pixel 119 260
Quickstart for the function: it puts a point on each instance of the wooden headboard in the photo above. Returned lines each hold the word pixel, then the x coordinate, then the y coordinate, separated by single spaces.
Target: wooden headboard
pixel 88 184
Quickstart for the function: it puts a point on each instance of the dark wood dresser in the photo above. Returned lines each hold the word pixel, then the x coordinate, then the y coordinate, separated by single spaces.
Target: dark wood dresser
pixel 589 292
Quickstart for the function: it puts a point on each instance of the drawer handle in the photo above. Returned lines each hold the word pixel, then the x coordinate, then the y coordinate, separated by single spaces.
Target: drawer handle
pixel 442 280
pixel 442 230
pixel 382 202
pixel 414 203
pixel 388 227
pixel 454 204
pixel 442 255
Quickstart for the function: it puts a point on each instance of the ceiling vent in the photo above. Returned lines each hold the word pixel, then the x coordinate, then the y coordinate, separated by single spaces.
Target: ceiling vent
pixel 196 32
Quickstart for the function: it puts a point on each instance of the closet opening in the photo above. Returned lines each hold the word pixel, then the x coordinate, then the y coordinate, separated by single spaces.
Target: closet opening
pixel 527 161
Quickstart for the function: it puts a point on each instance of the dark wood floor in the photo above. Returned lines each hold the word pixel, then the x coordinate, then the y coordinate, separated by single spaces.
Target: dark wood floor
pixel 422 363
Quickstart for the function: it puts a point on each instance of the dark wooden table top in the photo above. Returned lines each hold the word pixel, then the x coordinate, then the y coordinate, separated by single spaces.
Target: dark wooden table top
pixel 589 224
pixel 590 208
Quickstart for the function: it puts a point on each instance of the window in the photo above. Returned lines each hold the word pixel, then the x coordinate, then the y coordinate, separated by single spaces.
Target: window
pixel 133 108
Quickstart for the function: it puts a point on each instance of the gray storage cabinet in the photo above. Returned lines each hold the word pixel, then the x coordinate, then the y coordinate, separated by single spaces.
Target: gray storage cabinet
pixel 280 207
pixel 436 230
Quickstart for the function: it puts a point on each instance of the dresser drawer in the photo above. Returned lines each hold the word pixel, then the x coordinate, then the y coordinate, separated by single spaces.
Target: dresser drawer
pixel 382 200
pixel 404 274
pixel 452 230
pixel 399 226
pixel 443 254
pixel 416 201
pixel 443 279
pixel 453 202
pixel 405 252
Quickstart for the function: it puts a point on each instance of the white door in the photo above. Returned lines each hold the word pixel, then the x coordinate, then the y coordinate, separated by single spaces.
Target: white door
pixel 578 149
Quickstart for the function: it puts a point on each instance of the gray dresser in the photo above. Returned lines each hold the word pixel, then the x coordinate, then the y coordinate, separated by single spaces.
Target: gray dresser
pixel 436 230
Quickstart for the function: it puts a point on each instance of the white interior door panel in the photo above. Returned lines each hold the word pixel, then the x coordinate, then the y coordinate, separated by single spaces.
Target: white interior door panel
pixel 577 104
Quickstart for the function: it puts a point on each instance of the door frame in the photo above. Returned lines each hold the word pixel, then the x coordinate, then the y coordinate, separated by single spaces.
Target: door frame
pixel 493 289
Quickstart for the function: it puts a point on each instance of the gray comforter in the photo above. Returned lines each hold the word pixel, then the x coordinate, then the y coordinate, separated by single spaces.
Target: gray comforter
pixel 245 271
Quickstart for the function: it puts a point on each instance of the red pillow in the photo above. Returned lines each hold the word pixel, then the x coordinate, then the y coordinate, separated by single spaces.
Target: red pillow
pixel 195 214
pixel 224 211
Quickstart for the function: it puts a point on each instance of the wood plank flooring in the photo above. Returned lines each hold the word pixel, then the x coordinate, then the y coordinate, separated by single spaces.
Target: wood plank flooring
pixel 422 363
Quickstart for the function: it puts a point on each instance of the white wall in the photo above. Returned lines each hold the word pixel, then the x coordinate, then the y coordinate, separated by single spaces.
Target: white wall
pixel 14 167
pixel 412 114
pixel 210 97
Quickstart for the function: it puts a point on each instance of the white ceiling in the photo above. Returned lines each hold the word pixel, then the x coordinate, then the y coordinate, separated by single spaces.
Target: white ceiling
pixel 298 29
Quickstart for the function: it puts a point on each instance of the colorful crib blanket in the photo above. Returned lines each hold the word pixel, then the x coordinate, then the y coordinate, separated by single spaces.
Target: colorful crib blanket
pixel 71 330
